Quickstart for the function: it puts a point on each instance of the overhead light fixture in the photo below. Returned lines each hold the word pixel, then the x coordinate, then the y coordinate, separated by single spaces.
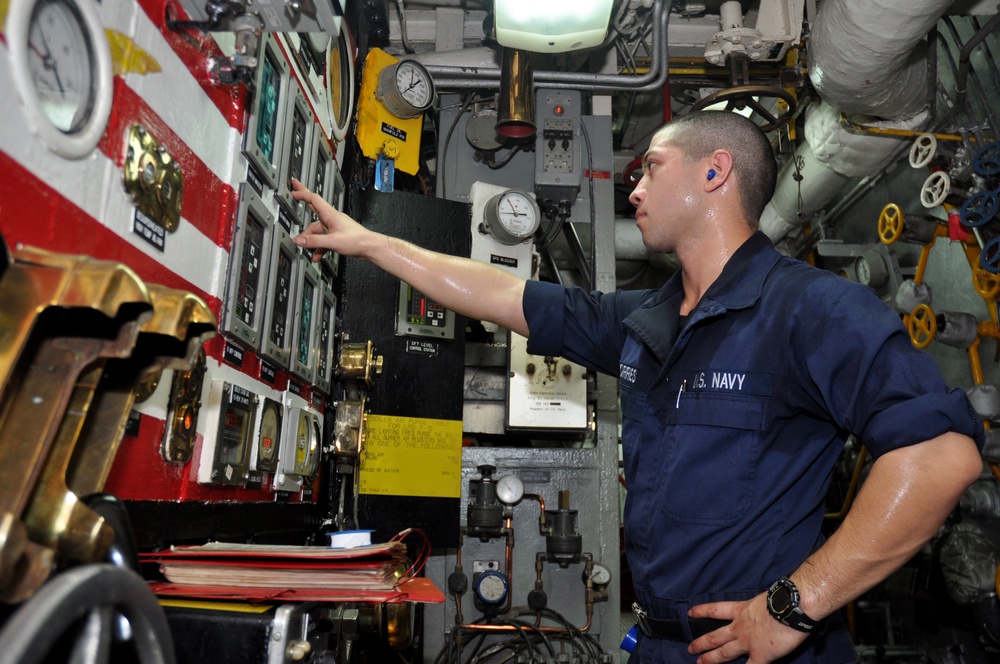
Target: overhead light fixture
pixel 551 26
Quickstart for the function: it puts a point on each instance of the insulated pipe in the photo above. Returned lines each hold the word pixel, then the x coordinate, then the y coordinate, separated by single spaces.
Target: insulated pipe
pixel 828 158
pixel 868 56
pixel 464 77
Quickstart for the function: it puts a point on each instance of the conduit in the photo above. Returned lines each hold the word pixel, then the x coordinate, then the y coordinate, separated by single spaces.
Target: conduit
pixel 465 76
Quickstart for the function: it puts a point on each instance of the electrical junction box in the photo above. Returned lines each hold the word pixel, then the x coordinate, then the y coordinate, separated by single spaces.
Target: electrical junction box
pixel 558 145
pixel 379 131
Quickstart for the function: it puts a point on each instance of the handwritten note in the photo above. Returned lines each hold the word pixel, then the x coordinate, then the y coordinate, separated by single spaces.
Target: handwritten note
pixel 411 456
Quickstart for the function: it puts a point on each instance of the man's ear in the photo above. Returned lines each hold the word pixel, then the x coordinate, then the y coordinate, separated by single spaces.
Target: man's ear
pixel 720 168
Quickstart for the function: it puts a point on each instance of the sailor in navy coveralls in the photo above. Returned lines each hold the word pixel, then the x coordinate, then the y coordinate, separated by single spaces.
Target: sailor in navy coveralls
pixel 740 381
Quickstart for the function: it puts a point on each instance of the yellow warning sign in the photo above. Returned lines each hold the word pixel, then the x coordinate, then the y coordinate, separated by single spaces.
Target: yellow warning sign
pixel 412 456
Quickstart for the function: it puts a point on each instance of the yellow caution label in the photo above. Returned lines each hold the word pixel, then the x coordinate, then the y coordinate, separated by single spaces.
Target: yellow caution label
pixel 412 456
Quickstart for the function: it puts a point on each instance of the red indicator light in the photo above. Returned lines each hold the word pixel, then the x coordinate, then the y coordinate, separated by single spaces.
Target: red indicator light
pixel 559 110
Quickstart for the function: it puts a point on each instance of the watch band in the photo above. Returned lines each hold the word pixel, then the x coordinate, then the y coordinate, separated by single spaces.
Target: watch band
pixel 783 605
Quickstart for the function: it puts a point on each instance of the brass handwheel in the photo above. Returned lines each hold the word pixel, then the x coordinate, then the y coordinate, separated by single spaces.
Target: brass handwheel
pixel 753 96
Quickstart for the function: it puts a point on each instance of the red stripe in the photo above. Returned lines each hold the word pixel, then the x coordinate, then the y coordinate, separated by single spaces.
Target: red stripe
pixel 32 213
pixel 208 204
pixel 195 49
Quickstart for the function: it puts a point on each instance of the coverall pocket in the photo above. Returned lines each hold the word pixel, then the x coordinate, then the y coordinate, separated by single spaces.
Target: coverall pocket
pixel 711 449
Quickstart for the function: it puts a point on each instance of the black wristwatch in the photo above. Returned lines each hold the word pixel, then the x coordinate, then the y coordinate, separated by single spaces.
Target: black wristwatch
pixel 783 605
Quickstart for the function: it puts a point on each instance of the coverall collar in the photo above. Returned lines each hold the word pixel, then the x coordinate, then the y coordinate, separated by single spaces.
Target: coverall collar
pixel 739 286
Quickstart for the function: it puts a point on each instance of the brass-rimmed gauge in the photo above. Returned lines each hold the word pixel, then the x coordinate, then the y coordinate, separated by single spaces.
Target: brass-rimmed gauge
pixel 269 436
pixel 340 83
pixel 406 88
pixel 182 408
pixel 61 63
pixel 511 217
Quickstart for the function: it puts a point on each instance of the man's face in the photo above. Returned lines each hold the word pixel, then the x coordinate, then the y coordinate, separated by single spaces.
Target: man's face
pixel 666 195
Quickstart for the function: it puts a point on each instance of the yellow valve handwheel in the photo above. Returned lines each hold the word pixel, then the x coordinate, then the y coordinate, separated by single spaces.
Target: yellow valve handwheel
pixel 986 283
pixel 890 224
pixel 922 326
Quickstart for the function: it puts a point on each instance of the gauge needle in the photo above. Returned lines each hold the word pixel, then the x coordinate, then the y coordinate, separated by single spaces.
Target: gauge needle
pixel 47 61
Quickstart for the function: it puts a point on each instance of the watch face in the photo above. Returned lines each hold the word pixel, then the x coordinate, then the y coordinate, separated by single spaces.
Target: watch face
pixel 780 600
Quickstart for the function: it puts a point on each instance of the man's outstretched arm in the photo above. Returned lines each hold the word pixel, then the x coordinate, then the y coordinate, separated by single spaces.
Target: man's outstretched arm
pixel 471 288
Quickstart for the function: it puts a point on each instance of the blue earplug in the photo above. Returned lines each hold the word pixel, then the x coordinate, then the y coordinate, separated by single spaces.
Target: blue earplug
pixel 711 173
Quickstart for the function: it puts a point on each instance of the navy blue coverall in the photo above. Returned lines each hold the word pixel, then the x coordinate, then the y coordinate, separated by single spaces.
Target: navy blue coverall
pixel 732 422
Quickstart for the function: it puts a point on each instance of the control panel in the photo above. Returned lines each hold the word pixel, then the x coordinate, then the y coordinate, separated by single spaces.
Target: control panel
pixel 263 137
pixel 248 263
pixel 558 170
pixel 307 301
pixel 225 457
pixel 276 345
pixel 420 316
pixel 298 133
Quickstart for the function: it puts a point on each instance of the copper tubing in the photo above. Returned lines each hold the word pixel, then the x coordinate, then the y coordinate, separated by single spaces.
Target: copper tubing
pixel 542 525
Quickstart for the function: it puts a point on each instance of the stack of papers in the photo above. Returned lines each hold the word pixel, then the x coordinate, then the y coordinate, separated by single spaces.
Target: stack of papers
pixel 372 567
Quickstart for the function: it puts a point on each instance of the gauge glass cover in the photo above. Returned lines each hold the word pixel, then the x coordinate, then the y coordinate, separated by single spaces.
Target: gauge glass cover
pixel 517 214
pixel 510 489
pixel 413 85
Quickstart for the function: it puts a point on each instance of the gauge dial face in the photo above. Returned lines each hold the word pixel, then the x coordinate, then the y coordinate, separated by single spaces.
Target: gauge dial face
pixel 340 83
pixel 600 575
pixel 61 62
pixel 517 213
pixel 510 489
pixel 491 588
pixel 863 270
pixel 267 441
pixel 512 216
pixel 414 84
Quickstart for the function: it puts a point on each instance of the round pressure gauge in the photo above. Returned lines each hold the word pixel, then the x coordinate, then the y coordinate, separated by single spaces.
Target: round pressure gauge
pixel 406 88
pixel 512 217
pixel 61 64
pixel 270 436
pixel 600 575
pixel 871 269
pixel 340 83
pixel 510 489
pixel 490 587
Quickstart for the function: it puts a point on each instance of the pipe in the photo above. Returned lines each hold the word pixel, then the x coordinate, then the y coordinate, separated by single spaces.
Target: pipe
pixel 879 44
pixel 459 77
pixel 867 56
pixel 829 157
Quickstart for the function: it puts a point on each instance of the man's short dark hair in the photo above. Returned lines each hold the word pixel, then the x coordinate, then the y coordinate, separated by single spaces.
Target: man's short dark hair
pixel 701 133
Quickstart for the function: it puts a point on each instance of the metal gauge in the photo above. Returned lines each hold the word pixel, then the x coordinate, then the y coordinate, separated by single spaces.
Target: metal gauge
pixel 297 141
pixel 340 83
pixel 277 339
pixel 248 265
pixel 298 459
pixel 510 489
pixel 231 458
pixel 511 216
pixel 406 88
pixel 326 325
pixel 182 408
pixel 303 361
pixel 269 435
pixel 490 587
pixel 262 140
pixel 871 269
pixel 600 575
pixel 62 69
